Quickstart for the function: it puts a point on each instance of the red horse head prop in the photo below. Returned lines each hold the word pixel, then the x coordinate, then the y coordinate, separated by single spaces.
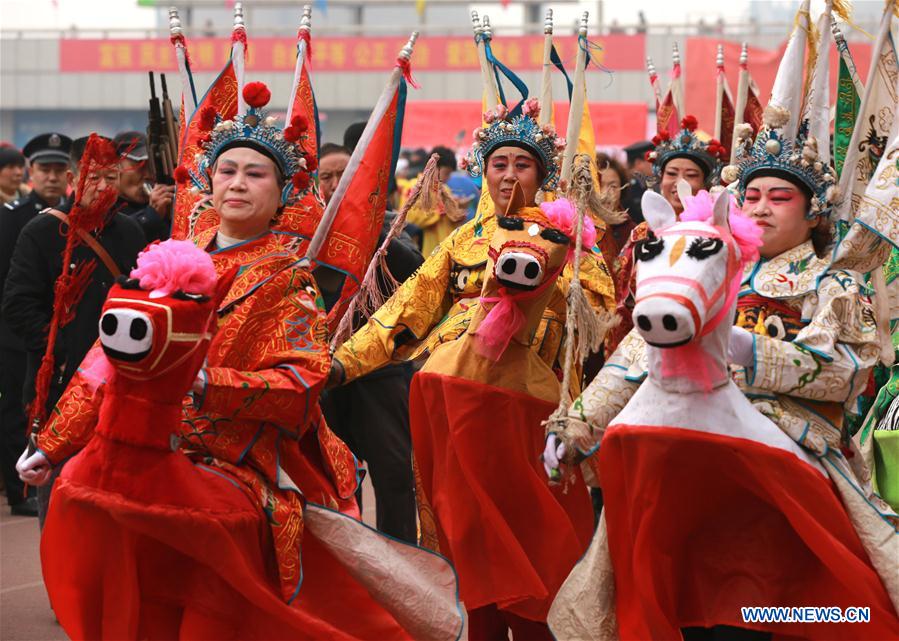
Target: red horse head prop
pixel 160 321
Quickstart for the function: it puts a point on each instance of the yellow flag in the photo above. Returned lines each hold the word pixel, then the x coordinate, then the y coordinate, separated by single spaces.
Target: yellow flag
pixel 420 7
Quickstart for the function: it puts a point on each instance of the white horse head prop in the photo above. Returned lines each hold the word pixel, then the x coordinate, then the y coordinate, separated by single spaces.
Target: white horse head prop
pixel 688 276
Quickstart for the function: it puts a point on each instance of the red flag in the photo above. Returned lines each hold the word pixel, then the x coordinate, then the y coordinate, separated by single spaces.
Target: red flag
pixel 667 119
pixel 220 99
pixel 728 113
pixel 752 114
pixel 353 235
pixel 300 219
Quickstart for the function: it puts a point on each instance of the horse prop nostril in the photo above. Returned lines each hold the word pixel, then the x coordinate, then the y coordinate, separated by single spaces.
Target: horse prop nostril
pixel 644 323
pixel 509 266
pixel 669 322
pixel 532 270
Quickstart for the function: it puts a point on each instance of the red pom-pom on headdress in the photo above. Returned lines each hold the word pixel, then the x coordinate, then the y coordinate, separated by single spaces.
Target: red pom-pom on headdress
pixel 291 134
pixel 311 162
pixel 256 94
pixel 301 180
pixel 181 175
pixel 207 117
pixel 689 123
pixel 299 121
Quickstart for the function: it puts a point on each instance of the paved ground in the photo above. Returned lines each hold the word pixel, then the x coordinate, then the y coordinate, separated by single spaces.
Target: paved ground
pixel 25 613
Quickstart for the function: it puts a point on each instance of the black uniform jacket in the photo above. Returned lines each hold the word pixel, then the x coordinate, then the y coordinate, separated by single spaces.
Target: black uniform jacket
pixel 28 296
pixel 13 218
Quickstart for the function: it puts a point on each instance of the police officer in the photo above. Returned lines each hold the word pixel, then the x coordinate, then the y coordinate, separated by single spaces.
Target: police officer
pixel 148 204
pixel 48 166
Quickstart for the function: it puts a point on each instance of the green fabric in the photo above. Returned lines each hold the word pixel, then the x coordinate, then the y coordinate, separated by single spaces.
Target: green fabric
pixel 848 104
pixel 886 466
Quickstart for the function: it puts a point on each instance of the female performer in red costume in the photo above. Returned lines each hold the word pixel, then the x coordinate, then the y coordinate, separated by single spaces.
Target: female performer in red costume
pixel 253 418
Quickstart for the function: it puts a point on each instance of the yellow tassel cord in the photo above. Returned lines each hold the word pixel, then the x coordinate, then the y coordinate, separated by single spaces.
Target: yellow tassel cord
pixel 585 328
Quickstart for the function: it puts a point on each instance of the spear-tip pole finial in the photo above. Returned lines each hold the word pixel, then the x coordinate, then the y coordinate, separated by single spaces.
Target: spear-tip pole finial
pixel 406 51
pixel 675 54
pixel 486 29
pixel 548 23
pixel 238 16
pixel 837 33
pixel 744 54
pixel 650 66
pixel 174 22
pixel 582 27
pixel 719 58
pixel 306 20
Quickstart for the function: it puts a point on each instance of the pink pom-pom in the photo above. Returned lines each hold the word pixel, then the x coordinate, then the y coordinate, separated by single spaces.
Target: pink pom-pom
pixel 746 233
pixel 562 215
pixel 167 267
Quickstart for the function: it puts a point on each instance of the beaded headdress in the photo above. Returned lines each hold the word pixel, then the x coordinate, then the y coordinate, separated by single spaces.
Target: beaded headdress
pixel 773 152
pixel 686 144
pixel 522 130
pixel 256 130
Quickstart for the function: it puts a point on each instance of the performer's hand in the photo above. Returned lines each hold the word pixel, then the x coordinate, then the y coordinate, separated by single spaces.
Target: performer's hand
pixel 336 375
pixel 553 453
pixel 34 469
pixel 740 350
pixel 161 198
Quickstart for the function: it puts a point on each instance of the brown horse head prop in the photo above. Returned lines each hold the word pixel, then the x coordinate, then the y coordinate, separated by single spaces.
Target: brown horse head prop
pixel 528 251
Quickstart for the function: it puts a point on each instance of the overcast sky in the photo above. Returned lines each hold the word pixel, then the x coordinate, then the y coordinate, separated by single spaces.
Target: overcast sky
pixel 126 14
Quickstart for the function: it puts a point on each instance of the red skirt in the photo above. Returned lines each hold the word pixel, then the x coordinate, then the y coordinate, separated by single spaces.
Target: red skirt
pixel 143 543
pixel 701 525
pixel 512 538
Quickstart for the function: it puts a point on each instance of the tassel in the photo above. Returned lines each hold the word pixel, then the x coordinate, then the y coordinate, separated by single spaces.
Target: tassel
pixel 406 67
pixel 598 203
pixel 582 323
pixel 99 155
pixel 306 36
pixel 371 294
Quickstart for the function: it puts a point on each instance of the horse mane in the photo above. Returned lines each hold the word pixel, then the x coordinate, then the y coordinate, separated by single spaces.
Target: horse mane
pixel 167 267
pixel 745 232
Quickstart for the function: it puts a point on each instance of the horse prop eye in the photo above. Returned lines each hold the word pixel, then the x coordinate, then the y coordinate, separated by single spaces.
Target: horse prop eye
pixel 512 223
pixel 555 236
pixel 648 248
pixel 702 248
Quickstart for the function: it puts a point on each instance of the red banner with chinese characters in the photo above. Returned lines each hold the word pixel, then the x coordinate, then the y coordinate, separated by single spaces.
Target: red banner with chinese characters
pixel 617 52
pixel 700 69
pixel 429 123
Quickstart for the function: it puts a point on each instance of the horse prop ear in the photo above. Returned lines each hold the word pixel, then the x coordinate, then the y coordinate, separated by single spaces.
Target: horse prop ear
pixel 223 284
pixel 517 201
pixel 684 191
pixel 657 211
pixel 721 210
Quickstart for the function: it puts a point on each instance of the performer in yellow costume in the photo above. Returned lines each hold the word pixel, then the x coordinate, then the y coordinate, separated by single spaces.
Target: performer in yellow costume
pixel 435 305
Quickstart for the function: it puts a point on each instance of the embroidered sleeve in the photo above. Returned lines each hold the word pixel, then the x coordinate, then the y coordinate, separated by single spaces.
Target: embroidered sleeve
pixel 72 422
pixel 606 395
pixel 403 321
pixel 281 360
pixel 831 357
